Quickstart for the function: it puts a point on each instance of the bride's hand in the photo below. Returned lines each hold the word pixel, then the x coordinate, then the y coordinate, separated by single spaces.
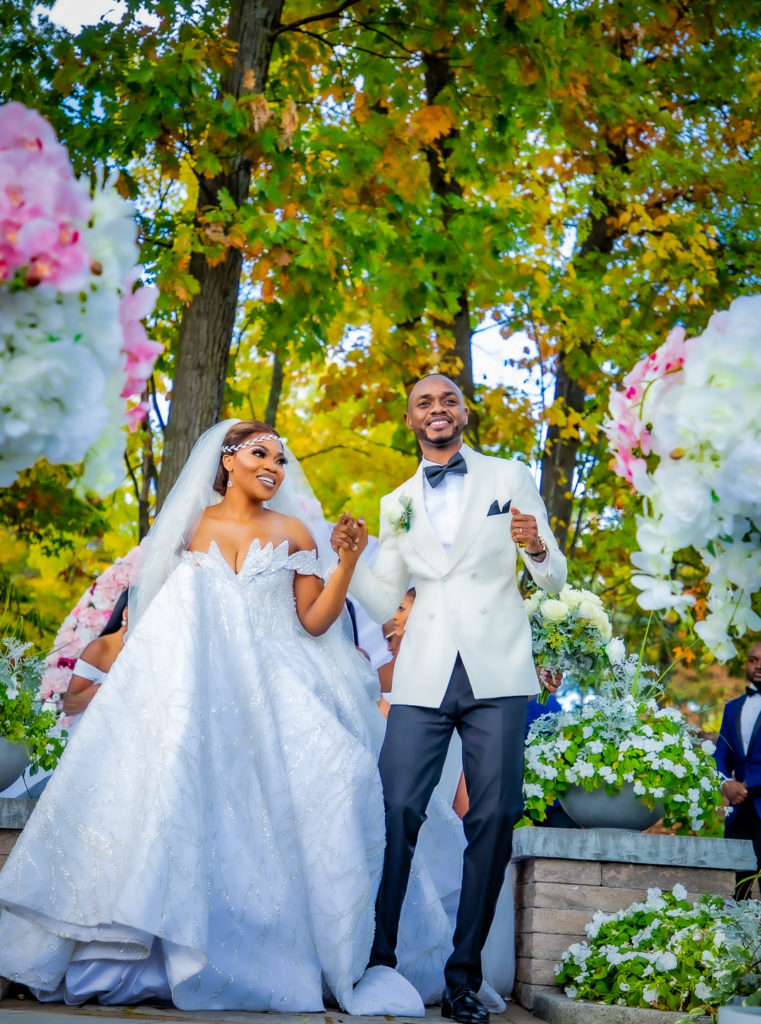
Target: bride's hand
pixel 344 533
pixel 353 540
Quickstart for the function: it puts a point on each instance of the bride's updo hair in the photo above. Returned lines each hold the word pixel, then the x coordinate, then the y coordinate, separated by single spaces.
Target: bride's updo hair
pixel 237 435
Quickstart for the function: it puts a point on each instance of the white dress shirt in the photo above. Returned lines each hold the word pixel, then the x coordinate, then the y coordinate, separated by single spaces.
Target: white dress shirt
pixel 443 504
pixel 750 711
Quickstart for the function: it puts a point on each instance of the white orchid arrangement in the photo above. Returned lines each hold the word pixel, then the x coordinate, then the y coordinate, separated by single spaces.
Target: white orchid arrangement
pixel 399 514
pixel 623 736
pixel 74 355
pixel 685 431
pixel 664 953
pixel 571 633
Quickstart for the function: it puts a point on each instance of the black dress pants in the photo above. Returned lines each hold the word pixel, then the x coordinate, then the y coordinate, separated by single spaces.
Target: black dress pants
pixel 411 761
pixel 746 824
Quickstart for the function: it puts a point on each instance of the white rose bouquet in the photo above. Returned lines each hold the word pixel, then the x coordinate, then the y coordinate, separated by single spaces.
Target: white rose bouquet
pixel 571 633
pixel 665 954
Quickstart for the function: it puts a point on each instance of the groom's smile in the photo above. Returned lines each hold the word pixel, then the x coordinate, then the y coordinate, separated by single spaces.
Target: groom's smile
pixel 436 413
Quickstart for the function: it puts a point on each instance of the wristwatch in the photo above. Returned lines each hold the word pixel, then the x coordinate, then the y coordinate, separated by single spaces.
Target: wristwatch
pixel 538 554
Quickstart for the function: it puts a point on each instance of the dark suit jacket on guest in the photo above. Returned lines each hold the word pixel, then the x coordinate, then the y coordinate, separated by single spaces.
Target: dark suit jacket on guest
pixel 732 760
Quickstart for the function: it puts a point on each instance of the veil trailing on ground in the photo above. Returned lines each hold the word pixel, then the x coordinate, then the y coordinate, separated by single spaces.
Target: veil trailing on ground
pixel 193 492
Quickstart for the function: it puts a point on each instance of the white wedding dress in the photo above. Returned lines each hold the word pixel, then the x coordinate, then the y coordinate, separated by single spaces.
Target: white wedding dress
pixel 213 834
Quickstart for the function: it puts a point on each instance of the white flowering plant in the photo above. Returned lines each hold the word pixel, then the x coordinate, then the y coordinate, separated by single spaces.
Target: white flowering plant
pixel 24 717
pixel 618 738
pixel 572 634
pixel 666 954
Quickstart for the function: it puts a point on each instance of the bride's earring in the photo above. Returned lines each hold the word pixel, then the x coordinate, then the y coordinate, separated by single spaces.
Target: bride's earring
pixel 229 483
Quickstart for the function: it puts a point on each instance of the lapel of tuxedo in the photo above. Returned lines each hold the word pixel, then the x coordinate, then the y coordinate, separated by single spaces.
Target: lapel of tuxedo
pixel 477 495
pixel 754 733
pixel 738 737
pixel 422 535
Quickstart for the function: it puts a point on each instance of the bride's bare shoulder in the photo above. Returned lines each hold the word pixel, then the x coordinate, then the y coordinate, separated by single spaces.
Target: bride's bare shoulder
pixel 207 530
pixel 295 532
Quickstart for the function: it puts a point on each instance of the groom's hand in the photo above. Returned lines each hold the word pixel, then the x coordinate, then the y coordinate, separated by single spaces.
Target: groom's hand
pixel 524 531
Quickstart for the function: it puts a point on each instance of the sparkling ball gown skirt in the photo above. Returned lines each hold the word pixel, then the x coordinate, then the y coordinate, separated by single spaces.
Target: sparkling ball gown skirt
pixel 213 834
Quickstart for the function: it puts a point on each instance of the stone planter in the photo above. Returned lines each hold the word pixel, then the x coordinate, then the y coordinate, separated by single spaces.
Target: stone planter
pixel 596 808
pixel 739 1014
pixel 556 1009
pixel 13 760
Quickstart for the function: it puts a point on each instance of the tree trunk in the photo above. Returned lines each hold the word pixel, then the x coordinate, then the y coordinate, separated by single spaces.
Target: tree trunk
pixel 559 456
pixel 276 389
pixel 206 330
pixel 439 74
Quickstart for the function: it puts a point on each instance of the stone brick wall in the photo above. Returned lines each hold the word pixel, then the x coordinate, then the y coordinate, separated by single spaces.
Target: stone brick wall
pixel 554 899
pixel 8 837
pixel 14 814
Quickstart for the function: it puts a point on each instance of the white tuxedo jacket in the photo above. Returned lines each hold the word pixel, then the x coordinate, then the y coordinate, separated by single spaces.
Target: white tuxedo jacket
pixel 468 598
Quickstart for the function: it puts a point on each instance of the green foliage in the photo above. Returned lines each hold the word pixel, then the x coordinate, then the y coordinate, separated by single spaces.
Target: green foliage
pixel 41 508
pixel 23 718
pixel 662 953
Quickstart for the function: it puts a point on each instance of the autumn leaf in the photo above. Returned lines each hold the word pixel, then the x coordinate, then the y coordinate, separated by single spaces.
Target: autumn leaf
pixel 361 108
pixel 685 654
pixel 261 111
pixel 431 122
pixel 524 9
pixel 289 121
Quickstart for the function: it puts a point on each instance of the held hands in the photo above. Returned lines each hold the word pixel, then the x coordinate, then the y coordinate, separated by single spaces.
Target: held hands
pixel 349 539
pixel 524 532
pixel 734 791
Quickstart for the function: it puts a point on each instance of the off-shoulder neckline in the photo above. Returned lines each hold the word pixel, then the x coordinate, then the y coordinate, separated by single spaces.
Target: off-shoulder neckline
pixel 254 545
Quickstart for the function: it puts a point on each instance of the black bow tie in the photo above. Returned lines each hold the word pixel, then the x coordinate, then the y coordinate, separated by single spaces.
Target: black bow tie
pixel 435 474
pixel 751 691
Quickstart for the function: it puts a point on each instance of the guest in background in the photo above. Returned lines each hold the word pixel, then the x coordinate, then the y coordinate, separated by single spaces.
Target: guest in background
pixel 738 758
pixel 94 664
pixel 393 631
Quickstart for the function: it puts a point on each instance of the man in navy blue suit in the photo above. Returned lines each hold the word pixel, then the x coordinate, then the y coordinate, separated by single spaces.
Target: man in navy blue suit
pixel 738 758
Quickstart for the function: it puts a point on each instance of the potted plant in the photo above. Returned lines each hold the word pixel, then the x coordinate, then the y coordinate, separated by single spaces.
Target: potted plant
pixel 666 954
pixel 623 744
pixel 25 720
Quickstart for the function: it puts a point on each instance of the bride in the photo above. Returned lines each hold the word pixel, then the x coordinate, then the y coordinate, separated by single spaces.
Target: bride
pixel 214 832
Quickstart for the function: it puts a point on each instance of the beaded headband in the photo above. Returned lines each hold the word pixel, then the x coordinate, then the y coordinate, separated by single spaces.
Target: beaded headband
pixel 228 449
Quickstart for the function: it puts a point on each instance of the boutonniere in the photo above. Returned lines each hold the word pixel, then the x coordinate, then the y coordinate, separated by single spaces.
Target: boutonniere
pixel 400 515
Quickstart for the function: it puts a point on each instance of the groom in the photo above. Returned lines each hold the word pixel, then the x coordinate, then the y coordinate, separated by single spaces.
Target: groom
pixel 457 526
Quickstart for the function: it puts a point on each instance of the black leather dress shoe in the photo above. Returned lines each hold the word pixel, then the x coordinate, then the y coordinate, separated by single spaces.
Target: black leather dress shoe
pixel 461 1003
